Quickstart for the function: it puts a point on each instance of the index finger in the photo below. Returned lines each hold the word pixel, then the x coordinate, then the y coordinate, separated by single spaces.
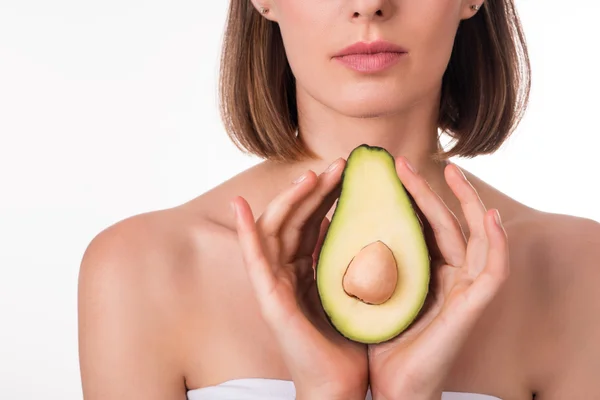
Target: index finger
pixel 443 222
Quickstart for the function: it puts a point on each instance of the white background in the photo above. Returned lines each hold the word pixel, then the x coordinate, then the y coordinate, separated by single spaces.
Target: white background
pixel 108 109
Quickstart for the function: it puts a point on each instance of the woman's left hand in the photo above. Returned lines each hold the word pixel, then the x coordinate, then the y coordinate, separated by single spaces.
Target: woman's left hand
pixel 466 278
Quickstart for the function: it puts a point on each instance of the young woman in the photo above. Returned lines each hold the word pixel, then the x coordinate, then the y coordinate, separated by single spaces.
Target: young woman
pixel 215 299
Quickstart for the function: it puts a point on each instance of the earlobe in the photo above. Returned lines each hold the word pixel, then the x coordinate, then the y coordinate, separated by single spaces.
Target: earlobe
pixel 264 8
pixel 471 8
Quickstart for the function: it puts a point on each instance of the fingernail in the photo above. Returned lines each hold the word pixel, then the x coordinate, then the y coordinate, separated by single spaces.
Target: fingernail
pixel 332 166
pixel 300 178
pixel 409 165
pixel 497 218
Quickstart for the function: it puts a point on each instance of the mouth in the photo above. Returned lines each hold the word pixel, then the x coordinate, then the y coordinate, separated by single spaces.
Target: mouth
pixel 370 57
pixel 369 48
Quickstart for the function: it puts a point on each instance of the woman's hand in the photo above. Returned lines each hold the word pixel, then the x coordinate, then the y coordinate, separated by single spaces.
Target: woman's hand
pixel 279 255
pixel 465 278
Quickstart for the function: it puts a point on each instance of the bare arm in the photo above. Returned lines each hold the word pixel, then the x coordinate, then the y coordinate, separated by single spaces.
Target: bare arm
pixel 124 339
pixel 569 360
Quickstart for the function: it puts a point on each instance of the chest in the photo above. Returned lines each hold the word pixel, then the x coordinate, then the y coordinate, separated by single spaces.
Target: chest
pixel 231 341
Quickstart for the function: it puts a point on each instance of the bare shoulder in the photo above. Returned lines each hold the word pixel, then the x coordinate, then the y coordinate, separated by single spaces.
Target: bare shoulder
pixel 561 245
pixel 560 257
pixel 159 249
pixel 561 274
pixel 151 255
pixel 144 246
pixel 133 280
pixel 555 242
pixel 573 240
pixel 565 262
pixel 151 244
pixel 148 285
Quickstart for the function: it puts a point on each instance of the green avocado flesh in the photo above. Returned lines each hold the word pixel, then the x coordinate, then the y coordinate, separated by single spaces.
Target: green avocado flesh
pixel 373 206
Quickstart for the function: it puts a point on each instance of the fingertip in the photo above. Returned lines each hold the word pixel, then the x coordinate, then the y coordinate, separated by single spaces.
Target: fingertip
pixel 454 175
pixel 402 162
pixel 334 166
pixel 406 172
pixel 496 220
pixel 498 237
pixel 233 206
pixel 236 200
pixel 452 178
pixel 233 209
pixel 448 169
pixel 313 177
pixel 308 176
pixel 241 211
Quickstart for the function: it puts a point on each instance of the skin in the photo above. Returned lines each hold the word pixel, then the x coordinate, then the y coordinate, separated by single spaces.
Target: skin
pixel 168 300
pixel 277 254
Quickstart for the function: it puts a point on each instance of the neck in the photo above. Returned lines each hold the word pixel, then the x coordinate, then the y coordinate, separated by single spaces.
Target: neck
pixel 411 133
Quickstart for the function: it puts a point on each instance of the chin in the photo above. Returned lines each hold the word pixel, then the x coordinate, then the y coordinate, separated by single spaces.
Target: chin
pixel 377 98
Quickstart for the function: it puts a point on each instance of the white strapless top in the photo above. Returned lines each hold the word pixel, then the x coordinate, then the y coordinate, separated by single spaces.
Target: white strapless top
pixel 274 389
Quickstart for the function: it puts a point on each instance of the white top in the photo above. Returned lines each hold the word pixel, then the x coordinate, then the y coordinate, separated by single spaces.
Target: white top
pixel 274 389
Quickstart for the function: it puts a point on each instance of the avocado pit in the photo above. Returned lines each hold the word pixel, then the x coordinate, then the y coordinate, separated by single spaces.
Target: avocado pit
pixel 372 275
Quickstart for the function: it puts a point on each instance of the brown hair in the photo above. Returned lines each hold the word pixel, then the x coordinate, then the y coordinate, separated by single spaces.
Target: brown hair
pixel 485 89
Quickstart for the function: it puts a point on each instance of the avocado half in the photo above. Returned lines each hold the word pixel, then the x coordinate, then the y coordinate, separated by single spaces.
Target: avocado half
pixel 373 207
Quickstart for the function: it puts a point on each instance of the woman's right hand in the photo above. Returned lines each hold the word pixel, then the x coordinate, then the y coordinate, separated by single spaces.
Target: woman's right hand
pixel 279 255
pixel 467 275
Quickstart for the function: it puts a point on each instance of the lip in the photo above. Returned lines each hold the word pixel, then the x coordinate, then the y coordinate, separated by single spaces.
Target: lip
pixel 378 46
pixel 370 57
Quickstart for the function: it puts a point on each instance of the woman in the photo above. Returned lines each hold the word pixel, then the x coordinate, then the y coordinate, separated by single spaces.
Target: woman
pixel 201 301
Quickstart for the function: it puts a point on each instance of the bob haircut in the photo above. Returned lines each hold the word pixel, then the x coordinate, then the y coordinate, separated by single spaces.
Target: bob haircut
pixel 485 88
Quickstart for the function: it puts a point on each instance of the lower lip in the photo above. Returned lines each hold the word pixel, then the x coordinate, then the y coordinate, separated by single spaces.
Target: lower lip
pixel 370 62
